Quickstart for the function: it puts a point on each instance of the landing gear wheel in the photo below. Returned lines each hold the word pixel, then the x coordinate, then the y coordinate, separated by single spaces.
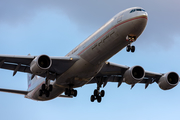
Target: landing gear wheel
pixel 66 91
pixel 40 92
pixel 43 87
pixel 102 93
pixel 95 92
pixel 128 48
pixel 132 48
pixel 92 98
pixel 50 88
pixel 75 93
pixel 70 92
pixel 99 99
pixel 47 93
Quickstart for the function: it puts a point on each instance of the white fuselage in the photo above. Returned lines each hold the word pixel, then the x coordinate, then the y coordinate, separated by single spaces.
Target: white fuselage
pixel 96 49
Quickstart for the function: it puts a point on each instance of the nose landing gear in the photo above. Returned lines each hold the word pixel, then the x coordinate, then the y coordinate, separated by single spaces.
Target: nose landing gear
pixel 130 39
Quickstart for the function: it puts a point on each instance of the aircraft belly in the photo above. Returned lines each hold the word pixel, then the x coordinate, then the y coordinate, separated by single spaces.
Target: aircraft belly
pixel 54 93
pixel 78 75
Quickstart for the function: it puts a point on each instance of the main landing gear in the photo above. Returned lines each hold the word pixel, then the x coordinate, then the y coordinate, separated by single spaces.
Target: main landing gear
pixel 70 92
pixel 46 88
pixel 97 93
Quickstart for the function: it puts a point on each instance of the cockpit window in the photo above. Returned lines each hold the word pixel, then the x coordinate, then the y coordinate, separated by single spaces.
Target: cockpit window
pixel 132 10
pixel 136 10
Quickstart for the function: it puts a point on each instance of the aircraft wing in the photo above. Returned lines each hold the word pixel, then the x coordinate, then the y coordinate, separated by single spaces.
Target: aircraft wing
pixel 22 64
pixel 111 72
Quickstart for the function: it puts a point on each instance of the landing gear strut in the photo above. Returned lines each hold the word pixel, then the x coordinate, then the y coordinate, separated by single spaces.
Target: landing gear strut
pixel 97 93
pixel 70 92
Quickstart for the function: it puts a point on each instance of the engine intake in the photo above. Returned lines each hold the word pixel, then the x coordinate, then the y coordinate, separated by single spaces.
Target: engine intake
pixel 40 64
pixel 134 75
pixel 168 81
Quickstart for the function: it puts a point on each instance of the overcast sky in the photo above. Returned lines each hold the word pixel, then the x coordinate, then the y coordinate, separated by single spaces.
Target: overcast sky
pixel 54 27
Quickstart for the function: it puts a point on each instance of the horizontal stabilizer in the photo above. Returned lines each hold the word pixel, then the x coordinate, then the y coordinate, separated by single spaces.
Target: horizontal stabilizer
pixel 14 91
pixel 65 96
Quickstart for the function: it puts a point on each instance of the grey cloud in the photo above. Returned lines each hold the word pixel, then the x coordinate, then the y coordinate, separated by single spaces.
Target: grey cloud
pixel 90 15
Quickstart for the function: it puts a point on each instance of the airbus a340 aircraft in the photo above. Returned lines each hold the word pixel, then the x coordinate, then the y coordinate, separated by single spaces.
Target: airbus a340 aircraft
pixel 50 77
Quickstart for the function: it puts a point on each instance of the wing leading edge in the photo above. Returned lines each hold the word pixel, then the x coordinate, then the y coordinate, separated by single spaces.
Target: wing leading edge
pixel 119 73
pixel 22 64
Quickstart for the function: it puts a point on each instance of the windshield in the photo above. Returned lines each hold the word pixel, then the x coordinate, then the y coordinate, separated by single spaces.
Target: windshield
pixel 136 10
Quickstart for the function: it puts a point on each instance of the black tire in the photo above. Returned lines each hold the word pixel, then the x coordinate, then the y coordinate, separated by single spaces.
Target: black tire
pixel 69 92
pixel 99 99
pixel 92 98
pixel 132 48
pixel 102 93
pixel 75 93
pixel 40 93
pixel 128 48
pixel 66 91
pixel 43 87
pixel 95 92
pixel 47 93
pixel 50 88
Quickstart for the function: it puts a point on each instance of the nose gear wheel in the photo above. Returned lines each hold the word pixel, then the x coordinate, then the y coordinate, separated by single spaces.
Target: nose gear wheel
pixel 130 48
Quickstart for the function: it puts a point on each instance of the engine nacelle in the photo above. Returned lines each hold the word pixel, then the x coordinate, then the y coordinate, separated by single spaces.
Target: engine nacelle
pixel 134 75
pixel 40 64
pixel 168 81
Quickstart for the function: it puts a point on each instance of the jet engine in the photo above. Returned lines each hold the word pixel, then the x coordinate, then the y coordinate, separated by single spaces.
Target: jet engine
pixel 168 81
pixel 134 75
pixel 40 64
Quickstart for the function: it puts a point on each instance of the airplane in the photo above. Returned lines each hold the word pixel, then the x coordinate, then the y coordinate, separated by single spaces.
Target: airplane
pixel 50 77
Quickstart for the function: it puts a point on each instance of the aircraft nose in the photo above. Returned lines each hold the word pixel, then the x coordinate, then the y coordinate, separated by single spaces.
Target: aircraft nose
pixel 145 14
